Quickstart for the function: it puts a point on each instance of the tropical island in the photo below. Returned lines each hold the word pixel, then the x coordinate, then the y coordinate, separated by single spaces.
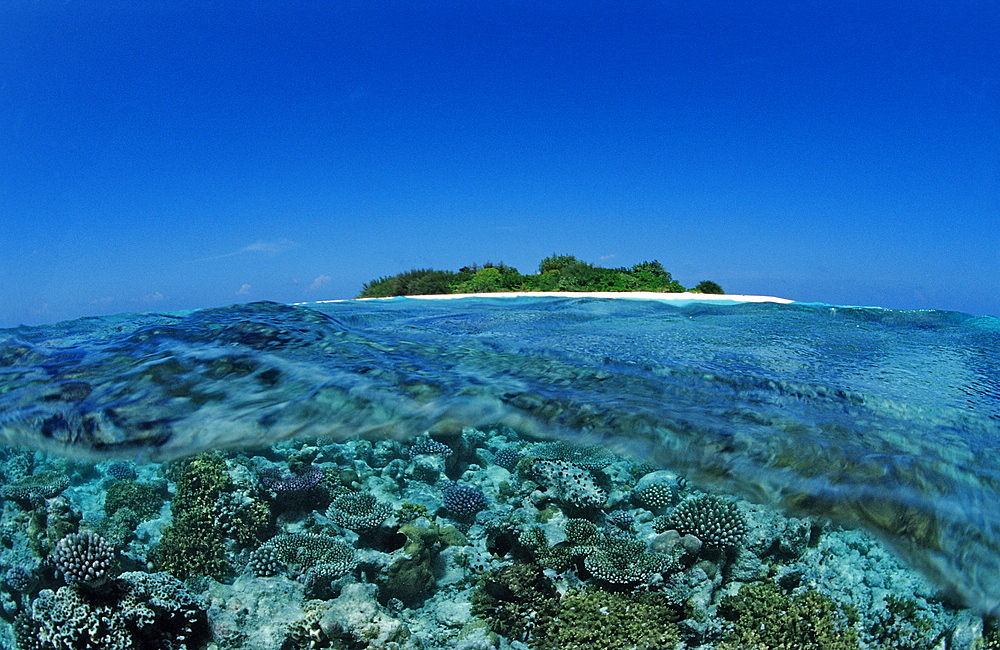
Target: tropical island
pixel 555 273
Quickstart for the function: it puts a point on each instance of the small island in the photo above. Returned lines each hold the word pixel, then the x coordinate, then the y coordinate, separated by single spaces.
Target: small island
pixel 555 273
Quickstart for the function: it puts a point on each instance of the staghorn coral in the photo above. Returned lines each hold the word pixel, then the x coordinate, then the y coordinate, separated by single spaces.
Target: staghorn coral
pixel 121 471
pixel 299 553
pixel 507 457
pixel 358 511
pixel 589 458
pixel 717 522
pixel 265 562
pixel 85 558
pixel 655 496
pixel 429 447
pixel 306 477
pixel 581 531
pixel 20 580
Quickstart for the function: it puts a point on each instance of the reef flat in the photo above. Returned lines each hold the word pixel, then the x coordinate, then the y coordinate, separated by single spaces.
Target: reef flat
pixel 478 538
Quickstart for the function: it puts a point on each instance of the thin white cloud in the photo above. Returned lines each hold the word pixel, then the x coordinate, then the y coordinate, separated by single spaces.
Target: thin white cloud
pixel 103 300
pixel 269 247
pixel 156 296
pixel 319 282
pixel 605 258
pixel 275 246
pixel 244 290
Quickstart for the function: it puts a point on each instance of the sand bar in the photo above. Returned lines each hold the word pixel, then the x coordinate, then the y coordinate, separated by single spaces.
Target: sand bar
pixel 632 295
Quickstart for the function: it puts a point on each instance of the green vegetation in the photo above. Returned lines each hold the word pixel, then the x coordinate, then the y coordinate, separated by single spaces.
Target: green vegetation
pixel 764 616
pixel 519 602
pixel 144 499
pixel 555 273
pixel 192 544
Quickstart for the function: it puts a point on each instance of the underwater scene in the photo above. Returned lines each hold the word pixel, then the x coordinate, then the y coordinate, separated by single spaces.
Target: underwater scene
pixel 530 473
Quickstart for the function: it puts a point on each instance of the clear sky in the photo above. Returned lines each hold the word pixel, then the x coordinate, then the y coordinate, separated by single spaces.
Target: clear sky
pixel 175 154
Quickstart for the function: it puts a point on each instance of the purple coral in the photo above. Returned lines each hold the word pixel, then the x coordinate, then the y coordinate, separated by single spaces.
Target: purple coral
pixel 306 478
pixel 463 500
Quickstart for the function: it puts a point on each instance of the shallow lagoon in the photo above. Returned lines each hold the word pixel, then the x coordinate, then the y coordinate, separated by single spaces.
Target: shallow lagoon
pixel 868 429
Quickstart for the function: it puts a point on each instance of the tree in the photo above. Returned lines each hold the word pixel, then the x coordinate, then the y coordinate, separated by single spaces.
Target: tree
pixel 707 286
pixel 557 263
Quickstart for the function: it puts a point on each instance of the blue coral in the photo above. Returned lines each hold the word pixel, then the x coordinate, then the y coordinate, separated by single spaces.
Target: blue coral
pixel 463 500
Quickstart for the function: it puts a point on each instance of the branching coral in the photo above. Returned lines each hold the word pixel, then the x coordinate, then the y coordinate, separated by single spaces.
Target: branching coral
pixel 765 617
pixel 193 542
pixel 85 558
pixel 717 522
pixel 138 610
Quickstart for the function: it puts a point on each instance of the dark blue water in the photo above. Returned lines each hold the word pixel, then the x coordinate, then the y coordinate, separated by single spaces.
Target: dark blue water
pixel 882 419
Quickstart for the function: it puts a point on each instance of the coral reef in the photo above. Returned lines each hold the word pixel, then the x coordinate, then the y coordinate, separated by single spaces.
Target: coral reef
pixel 569 484
pixel 765 617
pixel 30 491
pixel 144 499
pixel 463 501
pixel 139 610
pixel 193 544
pixel 717 522
pixel 358 511
pixel 85 558
pixel 488 541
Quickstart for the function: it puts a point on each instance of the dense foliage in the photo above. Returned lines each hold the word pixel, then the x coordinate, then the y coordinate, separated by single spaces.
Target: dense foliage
pixel 555 273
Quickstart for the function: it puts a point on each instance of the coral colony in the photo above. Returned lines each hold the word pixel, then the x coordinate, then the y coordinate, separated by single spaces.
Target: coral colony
pixel 478 539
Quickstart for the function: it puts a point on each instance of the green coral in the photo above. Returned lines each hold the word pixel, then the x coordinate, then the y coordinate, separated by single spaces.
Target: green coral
pixel 905 626
pixel 515 599
pixel 519 602
pixel 192 544
pixel 763 616
pixel 594 619
pixel 145 499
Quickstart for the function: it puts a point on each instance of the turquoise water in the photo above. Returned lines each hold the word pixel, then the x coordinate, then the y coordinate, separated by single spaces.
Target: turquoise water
pixel 875 419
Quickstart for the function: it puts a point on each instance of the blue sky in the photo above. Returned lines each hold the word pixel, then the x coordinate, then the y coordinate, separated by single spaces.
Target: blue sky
pixel 164 155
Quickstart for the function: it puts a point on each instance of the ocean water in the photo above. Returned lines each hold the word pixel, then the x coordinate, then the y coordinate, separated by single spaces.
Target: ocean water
pixel 884 422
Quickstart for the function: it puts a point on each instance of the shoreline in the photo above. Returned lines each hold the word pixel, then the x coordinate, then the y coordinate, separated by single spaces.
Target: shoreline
pixel 632 295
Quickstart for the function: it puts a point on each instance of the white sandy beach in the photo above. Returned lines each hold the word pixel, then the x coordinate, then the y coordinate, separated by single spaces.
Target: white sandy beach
pixel 632 295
